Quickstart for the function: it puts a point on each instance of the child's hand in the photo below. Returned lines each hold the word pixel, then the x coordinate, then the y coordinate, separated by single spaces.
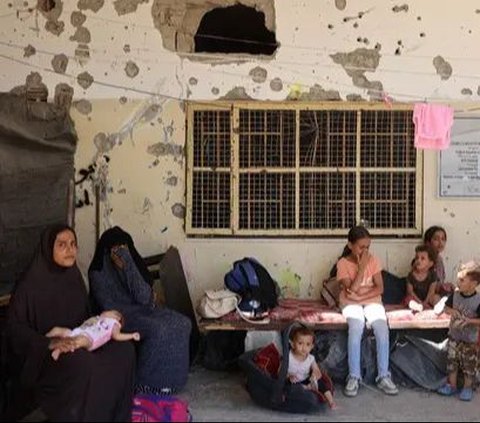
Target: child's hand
pixel 455 314
pixel 292 379
pixel 136 336
pixel 363 260
pixel 352 295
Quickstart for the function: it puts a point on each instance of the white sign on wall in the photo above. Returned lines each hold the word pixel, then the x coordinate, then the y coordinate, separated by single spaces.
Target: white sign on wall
pixel 460 163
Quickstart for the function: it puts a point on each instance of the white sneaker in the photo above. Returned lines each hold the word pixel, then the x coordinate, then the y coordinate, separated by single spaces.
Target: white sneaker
pixel 413 305
pixel 351 388
pixel 440 306
pixel 386 385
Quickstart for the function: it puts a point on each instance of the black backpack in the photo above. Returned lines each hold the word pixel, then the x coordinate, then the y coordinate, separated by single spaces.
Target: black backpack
pixel 253 283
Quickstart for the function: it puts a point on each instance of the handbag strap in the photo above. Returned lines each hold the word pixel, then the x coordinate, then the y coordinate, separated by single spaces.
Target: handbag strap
pixel 265 321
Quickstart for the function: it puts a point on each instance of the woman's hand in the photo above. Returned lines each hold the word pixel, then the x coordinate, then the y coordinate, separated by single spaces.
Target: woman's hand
pixel 58 332
pixel 63 344
pixel 117 260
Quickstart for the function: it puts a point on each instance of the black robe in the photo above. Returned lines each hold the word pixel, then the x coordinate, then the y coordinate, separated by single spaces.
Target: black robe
pixel 80 386
pixel 163 352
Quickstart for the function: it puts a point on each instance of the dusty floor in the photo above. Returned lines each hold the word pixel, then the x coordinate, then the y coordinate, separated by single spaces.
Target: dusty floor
pixel 219 396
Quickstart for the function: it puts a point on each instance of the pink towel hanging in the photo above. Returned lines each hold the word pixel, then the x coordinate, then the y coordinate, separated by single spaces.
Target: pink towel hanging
pixel 433 123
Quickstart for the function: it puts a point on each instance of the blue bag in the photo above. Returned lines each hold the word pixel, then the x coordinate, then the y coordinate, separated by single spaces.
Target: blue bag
pixel 253 283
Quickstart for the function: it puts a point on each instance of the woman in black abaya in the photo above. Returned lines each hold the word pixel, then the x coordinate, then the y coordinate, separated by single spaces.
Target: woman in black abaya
pixel 81 386
pixel 120 280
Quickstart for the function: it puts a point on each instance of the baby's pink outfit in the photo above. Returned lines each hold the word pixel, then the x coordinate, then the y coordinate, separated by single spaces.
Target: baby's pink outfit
pixel 98 329
pixel 433 123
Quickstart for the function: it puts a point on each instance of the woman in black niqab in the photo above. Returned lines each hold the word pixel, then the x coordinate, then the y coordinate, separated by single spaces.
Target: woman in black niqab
pixel 120 280
pixel 81 385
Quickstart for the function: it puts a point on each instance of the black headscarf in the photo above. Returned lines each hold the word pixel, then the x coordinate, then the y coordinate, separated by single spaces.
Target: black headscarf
pixel 117 236
pixel 48 295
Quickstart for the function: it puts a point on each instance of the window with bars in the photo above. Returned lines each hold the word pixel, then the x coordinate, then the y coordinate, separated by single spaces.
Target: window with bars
pixel 302 169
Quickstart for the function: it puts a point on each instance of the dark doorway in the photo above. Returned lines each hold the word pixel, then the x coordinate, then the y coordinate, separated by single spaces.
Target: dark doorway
pixel 235 29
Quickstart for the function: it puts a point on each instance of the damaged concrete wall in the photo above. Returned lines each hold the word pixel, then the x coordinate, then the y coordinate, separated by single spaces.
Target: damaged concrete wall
pixel 130 66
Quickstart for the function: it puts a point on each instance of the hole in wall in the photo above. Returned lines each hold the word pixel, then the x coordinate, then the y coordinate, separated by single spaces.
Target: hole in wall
pixel 235 29
pixel 46 5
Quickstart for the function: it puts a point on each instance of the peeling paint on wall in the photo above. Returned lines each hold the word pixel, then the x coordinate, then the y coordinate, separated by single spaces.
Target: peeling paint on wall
pixel 237 93
pixel 55 27
pixel 147 205
pixel 82 53
pixel 443 68
pixel 131 69
pixel 94 5
pixel 258 75
pixel 289 282
pixel 77 18
pixel 29 51
pixel 166 149
pixel 33 82
pixel 359 61
pixel 123 100
pixel 124 7
pixel 341 4
pixel 403 7
pixel 168 131
pixel 316 93
pixel 193 81
pixel 216 91
pixel 60 63
pixel 51 13
pixel 358 16
pixel 172 181
pixel 85 80
pixel 355 97
pixel 82 35
pixel 53 24
pixel 104 143
pixel 63 97
pixel 467 91
pixel 178 210
pixel 276 84
pixel 150 113
pixel 83 106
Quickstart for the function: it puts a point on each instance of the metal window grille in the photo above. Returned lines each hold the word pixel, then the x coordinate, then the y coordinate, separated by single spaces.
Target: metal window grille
pixel 302 169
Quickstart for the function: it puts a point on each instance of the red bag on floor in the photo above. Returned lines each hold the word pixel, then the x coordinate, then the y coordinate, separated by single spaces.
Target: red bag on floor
pixel 156 408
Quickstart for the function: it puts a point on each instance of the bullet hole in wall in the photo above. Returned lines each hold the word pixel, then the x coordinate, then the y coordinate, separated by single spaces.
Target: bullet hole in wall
pixel 46 5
